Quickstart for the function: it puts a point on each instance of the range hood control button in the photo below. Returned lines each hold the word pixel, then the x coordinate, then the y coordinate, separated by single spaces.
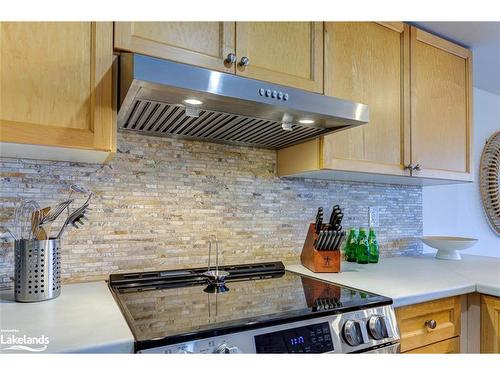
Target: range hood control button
pixel 274 94
pixel 262 92
pixel 268 93
pixel 285 96
pixel 280 95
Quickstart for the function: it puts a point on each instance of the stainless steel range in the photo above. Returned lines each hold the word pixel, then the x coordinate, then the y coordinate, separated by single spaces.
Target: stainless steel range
pixel 253 308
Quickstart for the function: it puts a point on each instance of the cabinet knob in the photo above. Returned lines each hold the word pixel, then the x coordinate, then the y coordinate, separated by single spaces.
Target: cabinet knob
pixel 417 167
pixel 431 323
pixel 409 167
pixel 244 61
pixel 230 58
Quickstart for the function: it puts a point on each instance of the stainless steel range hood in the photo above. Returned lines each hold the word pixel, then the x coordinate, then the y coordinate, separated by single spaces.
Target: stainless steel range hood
pixel 227 108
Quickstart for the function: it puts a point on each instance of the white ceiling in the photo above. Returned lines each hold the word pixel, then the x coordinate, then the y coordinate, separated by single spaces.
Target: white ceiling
pixel 484 39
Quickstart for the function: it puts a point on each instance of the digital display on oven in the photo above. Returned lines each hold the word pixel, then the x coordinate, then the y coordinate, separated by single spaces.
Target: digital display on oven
pixel 314 338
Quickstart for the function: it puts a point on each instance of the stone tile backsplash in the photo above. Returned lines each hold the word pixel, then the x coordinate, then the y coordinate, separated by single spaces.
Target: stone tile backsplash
pixel 160 200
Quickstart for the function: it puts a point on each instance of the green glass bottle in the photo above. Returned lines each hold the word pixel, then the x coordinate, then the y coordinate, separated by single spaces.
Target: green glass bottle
pixel 373 245
pixel 362 249
pixel 351 244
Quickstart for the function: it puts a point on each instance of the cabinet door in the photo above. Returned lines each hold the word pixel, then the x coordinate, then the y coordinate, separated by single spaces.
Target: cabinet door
pixel 286 53
pixel 367 62
pixel 413 326
pixel 440 107
pixel 490 324
pixel 204 44
pixel 56 90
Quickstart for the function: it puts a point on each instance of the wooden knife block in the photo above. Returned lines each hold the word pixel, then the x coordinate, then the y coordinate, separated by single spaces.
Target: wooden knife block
pixel 319 261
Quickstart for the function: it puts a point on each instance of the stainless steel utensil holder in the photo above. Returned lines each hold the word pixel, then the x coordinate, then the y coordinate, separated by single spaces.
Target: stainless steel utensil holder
pixel 37 270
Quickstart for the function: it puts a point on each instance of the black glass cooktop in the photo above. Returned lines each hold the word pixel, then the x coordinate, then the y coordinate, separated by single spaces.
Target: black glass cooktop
pixel 171 306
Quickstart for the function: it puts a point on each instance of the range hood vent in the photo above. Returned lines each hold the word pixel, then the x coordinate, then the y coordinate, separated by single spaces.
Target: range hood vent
pixel 232 109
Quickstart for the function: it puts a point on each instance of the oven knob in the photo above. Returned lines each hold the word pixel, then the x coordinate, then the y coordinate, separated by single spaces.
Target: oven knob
pixel 377 327
pixel 352 333
pixel 225 349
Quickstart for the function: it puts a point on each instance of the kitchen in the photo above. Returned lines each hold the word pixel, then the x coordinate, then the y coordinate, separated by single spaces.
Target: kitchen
pixel 200 154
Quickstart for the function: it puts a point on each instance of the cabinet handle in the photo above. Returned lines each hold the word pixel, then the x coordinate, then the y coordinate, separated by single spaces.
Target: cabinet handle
pixel 244 61
pixel 431 323
pixel 413 167
pixel 230 58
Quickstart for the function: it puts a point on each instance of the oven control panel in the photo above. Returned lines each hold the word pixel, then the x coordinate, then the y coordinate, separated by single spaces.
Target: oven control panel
pixel 315 338
pixel 363 330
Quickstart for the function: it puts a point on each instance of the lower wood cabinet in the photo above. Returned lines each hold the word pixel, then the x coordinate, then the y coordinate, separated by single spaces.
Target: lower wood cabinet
pixel 490 324
pixel 430 327
pixel 56 91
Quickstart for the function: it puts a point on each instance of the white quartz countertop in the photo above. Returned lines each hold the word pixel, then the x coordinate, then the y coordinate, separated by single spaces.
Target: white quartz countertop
pixel 84 318
pixel 413 279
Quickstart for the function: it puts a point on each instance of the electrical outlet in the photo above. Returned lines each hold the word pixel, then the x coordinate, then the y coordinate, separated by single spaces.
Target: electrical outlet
pixel 373 217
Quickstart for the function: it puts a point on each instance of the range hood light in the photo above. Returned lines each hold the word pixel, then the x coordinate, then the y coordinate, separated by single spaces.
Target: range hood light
pixel 306 121
pixel 287 126
pixel 193 101
pixel 192 111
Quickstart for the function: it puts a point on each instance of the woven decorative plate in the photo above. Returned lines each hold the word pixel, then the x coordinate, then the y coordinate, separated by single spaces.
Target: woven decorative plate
pixel 490 179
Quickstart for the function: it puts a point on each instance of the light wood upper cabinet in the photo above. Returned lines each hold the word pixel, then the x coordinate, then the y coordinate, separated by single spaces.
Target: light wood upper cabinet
pixel 490 324
pixel 56 98
pixel 441 91
pixel 204 44
pixel 286 53
pixel 368 62
pixel 418 89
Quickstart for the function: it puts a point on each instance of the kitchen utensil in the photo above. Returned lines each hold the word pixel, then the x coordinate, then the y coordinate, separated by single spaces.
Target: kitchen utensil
pixel 39 233
pixel 73 218
pixel 338 241
pixel 37 270
pixel 448 247
pixel 314 258
pixel 318 240
pixel 335 210
pixel 55 211
pixel 319 220
pixel 76 216
pixel 79 189
pixel 23 218
pixel 333 238
pixel 325 240
pixel 215 277
pixel 329 235
pixel 79 220
pixel 337 220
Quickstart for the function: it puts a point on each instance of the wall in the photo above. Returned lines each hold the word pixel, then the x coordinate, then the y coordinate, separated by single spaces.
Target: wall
pixel 456 210
pixel 161 199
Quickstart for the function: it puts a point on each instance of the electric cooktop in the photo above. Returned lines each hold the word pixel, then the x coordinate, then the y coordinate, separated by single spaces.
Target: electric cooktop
pixel 168 307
